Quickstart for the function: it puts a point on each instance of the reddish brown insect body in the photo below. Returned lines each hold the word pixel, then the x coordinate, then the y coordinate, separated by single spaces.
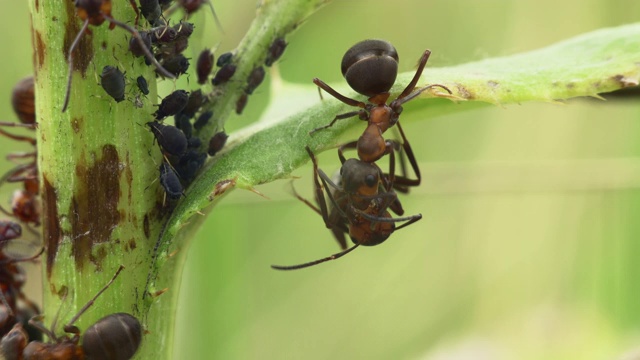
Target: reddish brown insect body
pixel 371 67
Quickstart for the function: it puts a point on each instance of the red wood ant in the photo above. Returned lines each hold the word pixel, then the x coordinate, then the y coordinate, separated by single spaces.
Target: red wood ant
pixel 359 208
pixel 12 278
pixel 370 68
pixel 96 12
pixel 116 336
pixel 25 204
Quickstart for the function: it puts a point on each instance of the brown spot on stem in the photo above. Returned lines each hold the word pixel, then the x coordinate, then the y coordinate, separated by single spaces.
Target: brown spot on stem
pixel 83 53
pixel 145 226
pixel 493 84
pixel 41 50
pixel 222 187
pixel 37 4
pixel 94 208
pixel 570 85
pixel 624 81
pixel 51 223
pixel 75 124
pixel 464 93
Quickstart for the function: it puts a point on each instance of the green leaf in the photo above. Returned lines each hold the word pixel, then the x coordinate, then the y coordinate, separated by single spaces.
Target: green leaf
pixel 587 65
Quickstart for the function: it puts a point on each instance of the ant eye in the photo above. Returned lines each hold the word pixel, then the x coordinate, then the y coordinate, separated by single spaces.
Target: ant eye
pixel 370 180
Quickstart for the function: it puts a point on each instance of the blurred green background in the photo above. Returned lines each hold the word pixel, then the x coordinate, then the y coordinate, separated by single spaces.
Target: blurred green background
pixel 528 248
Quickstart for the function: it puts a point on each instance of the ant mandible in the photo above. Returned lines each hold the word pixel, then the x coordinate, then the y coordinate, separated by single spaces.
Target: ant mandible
pixel 370 68
pixel 359 208
pixel 96 12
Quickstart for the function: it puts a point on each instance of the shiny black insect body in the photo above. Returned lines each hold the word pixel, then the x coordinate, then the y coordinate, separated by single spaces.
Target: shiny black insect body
pixel 171 139
pixel 183 123
pixel 112 81
pixel 96 12
pixel 276 49
pixel 371 67
pixel 172 104
pixel 224 74
pixel 203 120
pixel 170 182
pixel 142 85
pixel 176 64
pixel 204 66
pixel 224 59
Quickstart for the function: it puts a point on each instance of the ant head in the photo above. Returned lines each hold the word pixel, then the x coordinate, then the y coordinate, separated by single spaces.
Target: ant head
pixel 370 67
pixel 359 177
pixel 92 10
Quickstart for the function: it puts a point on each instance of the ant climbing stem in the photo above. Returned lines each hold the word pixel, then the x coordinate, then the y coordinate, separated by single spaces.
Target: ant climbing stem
pixel 96 12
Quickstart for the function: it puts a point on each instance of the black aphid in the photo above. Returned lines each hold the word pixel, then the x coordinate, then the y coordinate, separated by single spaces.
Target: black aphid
pixel 172 104
pixel 176 65
pixel 183 123
pixel 204 66
pixel 142 85
pixel 135 47
pixel 275 51
pixel 189 165
pixel 255 79
pixel 196 100
pixel 224 74
pixel 216 143
pixel 170 182
pixel 194 143
pixel 151 11
pixel 171 139
pixel 241 103
pixel 224 59
pixel 202 120
pixel 112 81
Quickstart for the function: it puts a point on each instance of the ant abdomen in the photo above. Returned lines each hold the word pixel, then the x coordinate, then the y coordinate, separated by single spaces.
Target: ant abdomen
pixel 114 337
pixel 370 67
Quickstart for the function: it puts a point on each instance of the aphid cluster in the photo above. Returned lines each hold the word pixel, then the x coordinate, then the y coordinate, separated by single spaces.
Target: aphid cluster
pixel 116 336
pixel 162 45
pixel 361 201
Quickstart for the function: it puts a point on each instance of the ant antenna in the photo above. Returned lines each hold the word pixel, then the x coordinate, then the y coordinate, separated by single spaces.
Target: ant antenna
pixel 90 302
pixel 316 262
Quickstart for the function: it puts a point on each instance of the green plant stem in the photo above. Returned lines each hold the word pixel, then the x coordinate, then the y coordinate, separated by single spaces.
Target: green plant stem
pixel 102 204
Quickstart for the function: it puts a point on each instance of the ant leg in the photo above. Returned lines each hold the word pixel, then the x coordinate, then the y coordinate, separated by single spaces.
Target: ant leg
pixel 421 64
pixel 307 202
pixel 28 139
pixel 360 113
pixel 147 53
pixel 350 145
pixel 74 44
pixel 15 124
pixel 135 8
pixel 215 17
pixel 316 262
pixel 406 147
pixel 321 84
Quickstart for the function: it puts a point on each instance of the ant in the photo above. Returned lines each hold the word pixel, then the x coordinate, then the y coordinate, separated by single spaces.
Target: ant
pixel 12 279
pixel 25 204
pixel 116 336
pixel 359 207
pixel 370 68
pixel 96 12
